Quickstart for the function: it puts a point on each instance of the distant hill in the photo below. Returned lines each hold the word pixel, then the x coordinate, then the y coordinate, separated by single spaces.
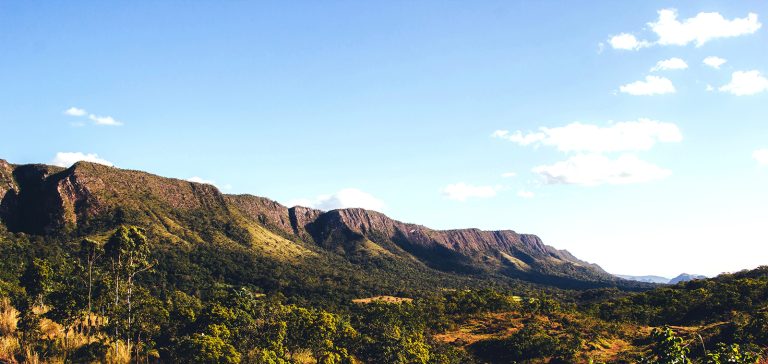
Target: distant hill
pixel 91 199
pixel 646 279
pixel 662 280
pixel 685 277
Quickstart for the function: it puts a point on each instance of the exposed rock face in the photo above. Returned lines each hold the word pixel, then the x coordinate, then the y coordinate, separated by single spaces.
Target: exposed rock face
pixel 264 211
pixel 461 249
pixel 39 199
pixel 286 221
pixel 7 183
pixel 301 219
pixel 464 241
pixel 6 177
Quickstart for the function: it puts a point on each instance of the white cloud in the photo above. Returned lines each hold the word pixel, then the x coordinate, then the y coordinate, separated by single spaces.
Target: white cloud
pixel 345 198
pixel 98 120
pixel 714 62
pixel 670 64
pixel 508 174
pixel 627 42
pixel 701 28
pixel 299 202
pixel 624 136
pixel 761 156
pixel 710 88
pixel 104 120
pixel 73 111
pixel 596 169
pixel 746 83
pixel 197 179
pixel 525 194
pixel 66 159
pixel 462 191
pixel 653 85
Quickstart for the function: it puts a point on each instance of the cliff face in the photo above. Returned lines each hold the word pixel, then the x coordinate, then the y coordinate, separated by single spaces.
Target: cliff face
pixel 47 198
pixel 30 202
pixel 291 222
pixel 263 210
pixel 7 183
pixel 469 250
pixel 460 249
pixel 6 177
pixel 39 199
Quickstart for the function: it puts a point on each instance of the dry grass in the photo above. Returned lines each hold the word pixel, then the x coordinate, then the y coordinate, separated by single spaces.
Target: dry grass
pixel 303 357
pixel 32 357
pixel 9 317
pixel 51 330
pixel 382 299
pixel 119 353
pixel 607 350
pixel 9 347
pixel 483 327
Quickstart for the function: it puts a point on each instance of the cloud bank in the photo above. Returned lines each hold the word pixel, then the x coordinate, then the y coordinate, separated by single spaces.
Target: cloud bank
pixel 761 156
pixel 66 159
pixel 745 83
pixel 714 62
pixel 638 135
pixel 670 64
pixel 699 29
pixel 652 85
pixel 96 119
pixel 345 198
pixel 597 169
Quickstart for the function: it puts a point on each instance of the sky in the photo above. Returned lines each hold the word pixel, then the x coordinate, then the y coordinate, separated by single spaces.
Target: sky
pixel 632 134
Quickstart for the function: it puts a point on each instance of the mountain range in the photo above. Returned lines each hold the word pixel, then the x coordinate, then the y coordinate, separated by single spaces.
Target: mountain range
pixel 89 199
pixel 684 277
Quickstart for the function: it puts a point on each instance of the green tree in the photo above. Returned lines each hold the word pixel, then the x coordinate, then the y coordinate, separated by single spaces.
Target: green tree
pixel 36 281
pixel 668 348
pixel 392 333
pixel 211 346
pixel 731 354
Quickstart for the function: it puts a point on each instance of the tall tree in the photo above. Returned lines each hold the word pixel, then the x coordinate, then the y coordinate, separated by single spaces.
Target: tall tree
pixel 128 253
pixel 90 251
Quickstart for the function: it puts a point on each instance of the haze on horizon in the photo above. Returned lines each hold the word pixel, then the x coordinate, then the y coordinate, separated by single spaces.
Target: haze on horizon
pixel 631 134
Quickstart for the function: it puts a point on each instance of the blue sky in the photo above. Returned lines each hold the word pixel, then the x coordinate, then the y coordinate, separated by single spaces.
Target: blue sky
pixel 423 110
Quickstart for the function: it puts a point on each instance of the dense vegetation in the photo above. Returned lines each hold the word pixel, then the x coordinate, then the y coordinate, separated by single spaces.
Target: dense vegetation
pixel 122 298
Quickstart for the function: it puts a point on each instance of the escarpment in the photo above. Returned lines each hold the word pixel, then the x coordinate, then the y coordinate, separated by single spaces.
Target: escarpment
pixel 39 199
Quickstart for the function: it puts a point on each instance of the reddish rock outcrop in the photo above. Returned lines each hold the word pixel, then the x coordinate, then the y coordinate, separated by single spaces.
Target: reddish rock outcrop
pixel 264 211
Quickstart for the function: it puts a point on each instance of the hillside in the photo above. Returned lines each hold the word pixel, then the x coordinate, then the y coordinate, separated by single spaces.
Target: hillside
pixel 89 198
